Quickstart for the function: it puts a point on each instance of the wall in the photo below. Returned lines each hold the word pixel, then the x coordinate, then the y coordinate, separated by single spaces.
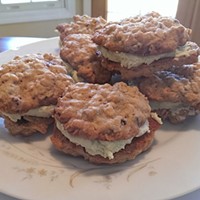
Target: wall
pixel 37 29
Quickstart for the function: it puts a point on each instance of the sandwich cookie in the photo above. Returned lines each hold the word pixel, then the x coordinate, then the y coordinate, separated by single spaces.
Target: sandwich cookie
pixel 105 124
pixel 139 46
pixel 29 88
pixel 174 94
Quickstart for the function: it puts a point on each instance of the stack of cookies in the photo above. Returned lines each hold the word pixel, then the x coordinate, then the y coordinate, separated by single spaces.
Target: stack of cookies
pixel 152 52
pixel 156 53
pixel 103 121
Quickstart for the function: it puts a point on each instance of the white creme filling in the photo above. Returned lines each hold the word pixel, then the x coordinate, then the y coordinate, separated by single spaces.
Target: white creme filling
pixel 105 149
pixel 130 60
pixel 156 117
pixel 43 111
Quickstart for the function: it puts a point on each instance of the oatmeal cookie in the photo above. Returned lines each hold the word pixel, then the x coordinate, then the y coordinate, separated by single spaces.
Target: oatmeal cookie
pixel 31 85
pixel 150 34
pixel 174 94
pixel 80 52
pixel 81 24
pixel 102 119
pixel 139 46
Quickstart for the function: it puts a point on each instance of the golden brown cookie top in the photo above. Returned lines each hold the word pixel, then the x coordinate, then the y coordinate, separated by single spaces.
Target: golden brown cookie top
pixel 180 84
pixel 81 53
pixel 78 49
pixel 81 24
pixel 30 81
pixel 149 34
pixel 102 112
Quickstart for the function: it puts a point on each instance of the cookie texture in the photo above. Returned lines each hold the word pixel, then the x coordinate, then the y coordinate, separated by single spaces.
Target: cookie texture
pixel 81 24
pixel 102 112
pixel 80 52
pixel 177 85
pixel 136 147
pixel 148 34
pixel 28 125
pixel 31 81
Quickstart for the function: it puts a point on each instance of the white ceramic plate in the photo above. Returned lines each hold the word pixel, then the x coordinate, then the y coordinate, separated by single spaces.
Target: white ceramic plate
pixel 30 168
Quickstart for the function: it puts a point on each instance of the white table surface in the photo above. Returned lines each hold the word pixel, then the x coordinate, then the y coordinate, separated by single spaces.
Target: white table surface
pixel 192 196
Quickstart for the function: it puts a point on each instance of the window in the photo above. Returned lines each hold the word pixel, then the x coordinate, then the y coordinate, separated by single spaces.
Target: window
pixel 22 1
pixel 12 11
pixel 118 9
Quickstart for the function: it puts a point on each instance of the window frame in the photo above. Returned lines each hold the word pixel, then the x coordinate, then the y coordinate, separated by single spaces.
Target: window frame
pixel 18 15
pixel 99 8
